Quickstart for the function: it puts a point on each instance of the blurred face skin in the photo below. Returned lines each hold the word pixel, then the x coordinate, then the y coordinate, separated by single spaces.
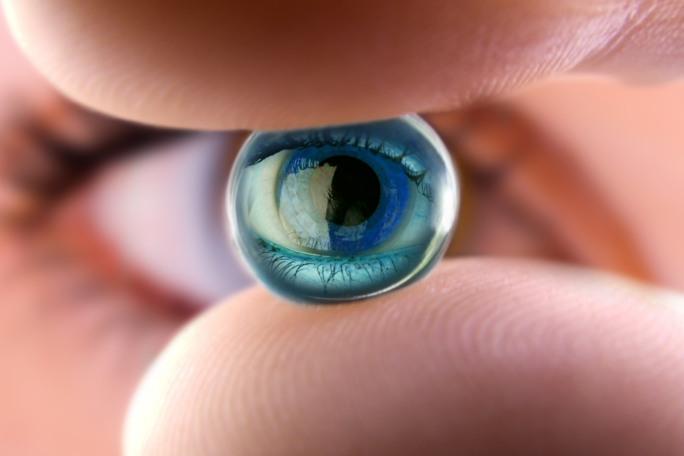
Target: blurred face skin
pixel 485 357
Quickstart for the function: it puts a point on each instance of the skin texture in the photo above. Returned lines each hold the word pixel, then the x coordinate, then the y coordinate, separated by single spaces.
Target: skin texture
pixel 484 357
pixel 214 64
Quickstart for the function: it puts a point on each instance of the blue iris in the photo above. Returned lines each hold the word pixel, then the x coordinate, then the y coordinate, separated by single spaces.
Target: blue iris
pixel 345 212
pixel 394 196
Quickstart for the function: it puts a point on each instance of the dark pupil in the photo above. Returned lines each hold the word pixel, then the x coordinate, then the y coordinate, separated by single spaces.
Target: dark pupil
pixel 354 191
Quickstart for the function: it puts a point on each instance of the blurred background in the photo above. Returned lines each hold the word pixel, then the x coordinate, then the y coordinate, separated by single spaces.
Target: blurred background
pixel 112 233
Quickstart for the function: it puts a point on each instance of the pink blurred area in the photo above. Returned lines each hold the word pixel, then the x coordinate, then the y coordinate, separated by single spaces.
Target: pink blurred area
pixel 630 140
pixel 16 73
pixel 76 338
pixel 161 210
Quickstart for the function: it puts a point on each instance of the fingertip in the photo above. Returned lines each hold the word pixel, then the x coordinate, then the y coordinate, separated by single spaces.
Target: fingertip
pixel 229 65
pixel 483 357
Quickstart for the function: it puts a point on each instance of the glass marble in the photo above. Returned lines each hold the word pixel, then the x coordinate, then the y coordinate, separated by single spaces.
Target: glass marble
pixel 340 213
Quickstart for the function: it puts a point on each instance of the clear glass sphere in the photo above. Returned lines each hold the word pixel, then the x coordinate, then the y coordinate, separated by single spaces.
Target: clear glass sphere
pixel 340 213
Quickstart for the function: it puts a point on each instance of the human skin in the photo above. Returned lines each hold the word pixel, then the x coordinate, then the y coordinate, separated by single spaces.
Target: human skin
pixel 484 357
pixel 214 64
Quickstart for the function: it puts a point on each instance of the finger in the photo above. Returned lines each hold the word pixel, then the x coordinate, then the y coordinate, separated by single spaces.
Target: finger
pixel 214 64
pixel 485 357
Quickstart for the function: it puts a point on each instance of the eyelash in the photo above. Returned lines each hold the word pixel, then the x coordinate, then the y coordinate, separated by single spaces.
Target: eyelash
pixel 413 175
pixel 287 266
pixel 306 241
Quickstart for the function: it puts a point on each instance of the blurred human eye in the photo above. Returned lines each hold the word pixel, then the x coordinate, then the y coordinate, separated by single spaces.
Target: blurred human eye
pixel 344 212
pixel 521 195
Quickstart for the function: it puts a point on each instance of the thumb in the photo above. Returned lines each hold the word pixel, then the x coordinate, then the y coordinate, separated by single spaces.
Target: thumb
pixel 485 357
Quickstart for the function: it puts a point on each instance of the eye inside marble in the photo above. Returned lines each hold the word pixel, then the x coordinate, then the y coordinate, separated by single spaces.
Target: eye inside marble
pixel 345 212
